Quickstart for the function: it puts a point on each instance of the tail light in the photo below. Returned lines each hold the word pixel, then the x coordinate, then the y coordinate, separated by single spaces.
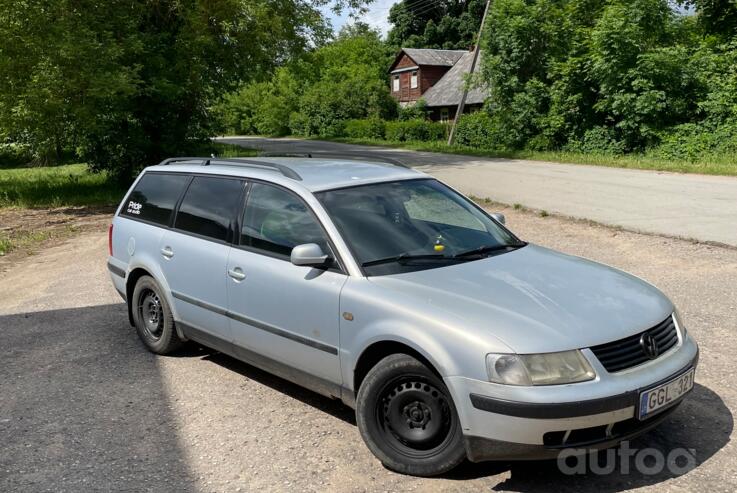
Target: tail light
pixel 110 240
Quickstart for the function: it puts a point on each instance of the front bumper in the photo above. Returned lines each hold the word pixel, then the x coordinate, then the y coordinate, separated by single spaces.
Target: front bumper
pixel 481 449
pixel 506 422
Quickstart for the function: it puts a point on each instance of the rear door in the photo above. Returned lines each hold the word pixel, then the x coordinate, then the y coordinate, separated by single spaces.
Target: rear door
pixel 145 216
pixel 287 313
pixel 194 256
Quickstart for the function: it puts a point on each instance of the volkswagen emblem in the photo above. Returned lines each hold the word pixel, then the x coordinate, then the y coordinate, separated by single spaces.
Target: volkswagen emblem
pixel 649 345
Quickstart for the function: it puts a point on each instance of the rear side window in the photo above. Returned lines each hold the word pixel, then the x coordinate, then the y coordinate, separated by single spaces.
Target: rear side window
pixel 154 197
pixel 209 206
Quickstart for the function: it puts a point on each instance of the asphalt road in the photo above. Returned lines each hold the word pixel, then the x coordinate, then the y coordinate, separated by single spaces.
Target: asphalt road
pixel 681 205
pixel 83 407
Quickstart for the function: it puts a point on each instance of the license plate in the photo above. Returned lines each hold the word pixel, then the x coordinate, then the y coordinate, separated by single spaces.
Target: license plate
pixel 655 400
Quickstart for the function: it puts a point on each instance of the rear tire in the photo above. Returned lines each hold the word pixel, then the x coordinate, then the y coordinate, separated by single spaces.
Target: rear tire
pixel 152 317
pixel 407 418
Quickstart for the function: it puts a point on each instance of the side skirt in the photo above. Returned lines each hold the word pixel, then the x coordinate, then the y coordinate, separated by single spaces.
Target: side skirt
pixel 299 377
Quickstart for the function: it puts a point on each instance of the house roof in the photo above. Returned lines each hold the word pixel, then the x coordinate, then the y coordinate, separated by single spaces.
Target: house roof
pixel 438 58
pixel 448 90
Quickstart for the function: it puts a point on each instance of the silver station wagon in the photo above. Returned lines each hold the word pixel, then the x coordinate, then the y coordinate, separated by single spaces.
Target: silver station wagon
pixel 382 287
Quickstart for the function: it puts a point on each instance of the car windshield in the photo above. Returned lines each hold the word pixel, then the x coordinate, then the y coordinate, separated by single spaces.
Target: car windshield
pixel 409 225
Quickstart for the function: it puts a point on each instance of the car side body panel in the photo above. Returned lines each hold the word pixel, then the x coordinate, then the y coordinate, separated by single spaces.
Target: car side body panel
pixel 430 331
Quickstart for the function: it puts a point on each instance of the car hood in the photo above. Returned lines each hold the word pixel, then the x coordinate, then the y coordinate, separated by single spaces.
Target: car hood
pixel 535 300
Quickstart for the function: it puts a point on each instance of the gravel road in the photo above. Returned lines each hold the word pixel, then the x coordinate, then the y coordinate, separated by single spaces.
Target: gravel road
pixel 84 407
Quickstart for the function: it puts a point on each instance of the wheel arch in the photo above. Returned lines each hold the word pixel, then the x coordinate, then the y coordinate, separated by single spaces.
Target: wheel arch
pixel 130 284
pixel 379 350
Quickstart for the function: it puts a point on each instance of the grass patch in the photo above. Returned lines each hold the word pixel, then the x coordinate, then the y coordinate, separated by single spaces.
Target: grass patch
pixel 25 240
pixel 713 165
pixel 74 185
pixel 56 186
pixel 6 244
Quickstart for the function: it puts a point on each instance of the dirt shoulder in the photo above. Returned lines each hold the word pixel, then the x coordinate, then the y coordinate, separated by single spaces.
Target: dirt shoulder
pixel 25 232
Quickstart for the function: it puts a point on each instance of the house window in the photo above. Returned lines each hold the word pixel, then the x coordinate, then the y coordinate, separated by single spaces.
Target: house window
pixel 395 84
pixel 444 115
pixel 413 80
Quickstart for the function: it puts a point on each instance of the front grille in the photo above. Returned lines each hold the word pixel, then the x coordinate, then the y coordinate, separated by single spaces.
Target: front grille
pixel 628 352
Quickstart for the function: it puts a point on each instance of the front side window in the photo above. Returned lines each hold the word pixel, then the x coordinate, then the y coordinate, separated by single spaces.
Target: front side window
pixel 411 225
pixel 395 83
pixel 209 206
pixel 154 197
pixel 275 221
pixel 413 80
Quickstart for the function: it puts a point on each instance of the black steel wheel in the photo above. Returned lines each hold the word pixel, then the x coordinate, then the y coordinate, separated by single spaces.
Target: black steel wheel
pixel 151 313
pixel 407 418
pixel 153 318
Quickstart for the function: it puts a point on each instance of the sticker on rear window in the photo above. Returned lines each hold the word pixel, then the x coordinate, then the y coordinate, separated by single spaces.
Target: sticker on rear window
pixel 134 208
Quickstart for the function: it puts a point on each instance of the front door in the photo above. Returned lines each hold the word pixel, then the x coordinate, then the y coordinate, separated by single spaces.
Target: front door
pixel 286 313
pixel 194 256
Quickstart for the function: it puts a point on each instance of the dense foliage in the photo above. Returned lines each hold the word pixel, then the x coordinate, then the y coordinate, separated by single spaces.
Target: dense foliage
pixel 414 130
pixel 590 76
pixel 126 82
pixel 610 76
pixel 316 94
pixel 442 24
pixel 123 83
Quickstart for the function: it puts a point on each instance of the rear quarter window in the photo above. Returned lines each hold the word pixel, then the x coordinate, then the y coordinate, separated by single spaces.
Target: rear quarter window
pixel 154 197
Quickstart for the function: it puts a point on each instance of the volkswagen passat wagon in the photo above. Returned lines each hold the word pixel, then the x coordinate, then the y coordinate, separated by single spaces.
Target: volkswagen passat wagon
pixel 382 287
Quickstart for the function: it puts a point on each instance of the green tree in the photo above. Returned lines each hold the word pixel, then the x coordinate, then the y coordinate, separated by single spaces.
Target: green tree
pixel 351 83
pixel 718 17
pixel 314 95
pixel 127 82
pixel 614 74
pixel 441 24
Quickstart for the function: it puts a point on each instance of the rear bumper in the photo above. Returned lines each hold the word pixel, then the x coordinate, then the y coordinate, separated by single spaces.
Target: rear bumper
pixel 117 275
pixel 537 423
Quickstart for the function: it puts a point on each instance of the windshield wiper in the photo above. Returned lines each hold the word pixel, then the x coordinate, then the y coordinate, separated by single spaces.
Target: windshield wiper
pixel 488 249
pixel 403 257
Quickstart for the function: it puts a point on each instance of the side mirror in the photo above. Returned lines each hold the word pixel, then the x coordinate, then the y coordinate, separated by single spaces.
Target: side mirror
pixel 499 217
pixel 309 254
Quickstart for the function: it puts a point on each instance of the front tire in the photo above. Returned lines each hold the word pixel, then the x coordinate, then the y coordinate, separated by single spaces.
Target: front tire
pixel 153 318
pixel 407 418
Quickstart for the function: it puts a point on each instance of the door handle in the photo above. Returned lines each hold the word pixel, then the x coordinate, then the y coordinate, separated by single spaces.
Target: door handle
pixel 237 274
pixel 167 252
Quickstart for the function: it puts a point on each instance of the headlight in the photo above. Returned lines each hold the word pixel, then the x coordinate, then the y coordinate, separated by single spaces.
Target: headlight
pixel 679 322
pixel 539 369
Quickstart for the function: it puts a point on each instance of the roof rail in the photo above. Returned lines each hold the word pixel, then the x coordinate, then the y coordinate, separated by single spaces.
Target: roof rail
pixel 337 155
pixel 206 161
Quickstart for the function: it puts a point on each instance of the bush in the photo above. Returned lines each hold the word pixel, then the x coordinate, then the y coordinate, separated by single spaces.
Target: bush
pixel 329 104
pixel 370 128
pixel 693 142
pixel 299 124
pixel 417 111
pixel 418 130
pixel 598 140
pixel 14 155
pixel 475 130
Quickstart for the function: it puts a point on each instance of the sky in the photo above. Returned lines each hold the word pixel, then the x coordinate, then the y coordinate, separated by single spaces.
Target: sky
pixel 375 17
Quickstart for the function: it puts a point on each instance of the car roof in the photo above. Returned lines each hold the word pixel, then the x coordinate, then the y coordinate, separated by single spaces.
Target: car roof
pixel 317 173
